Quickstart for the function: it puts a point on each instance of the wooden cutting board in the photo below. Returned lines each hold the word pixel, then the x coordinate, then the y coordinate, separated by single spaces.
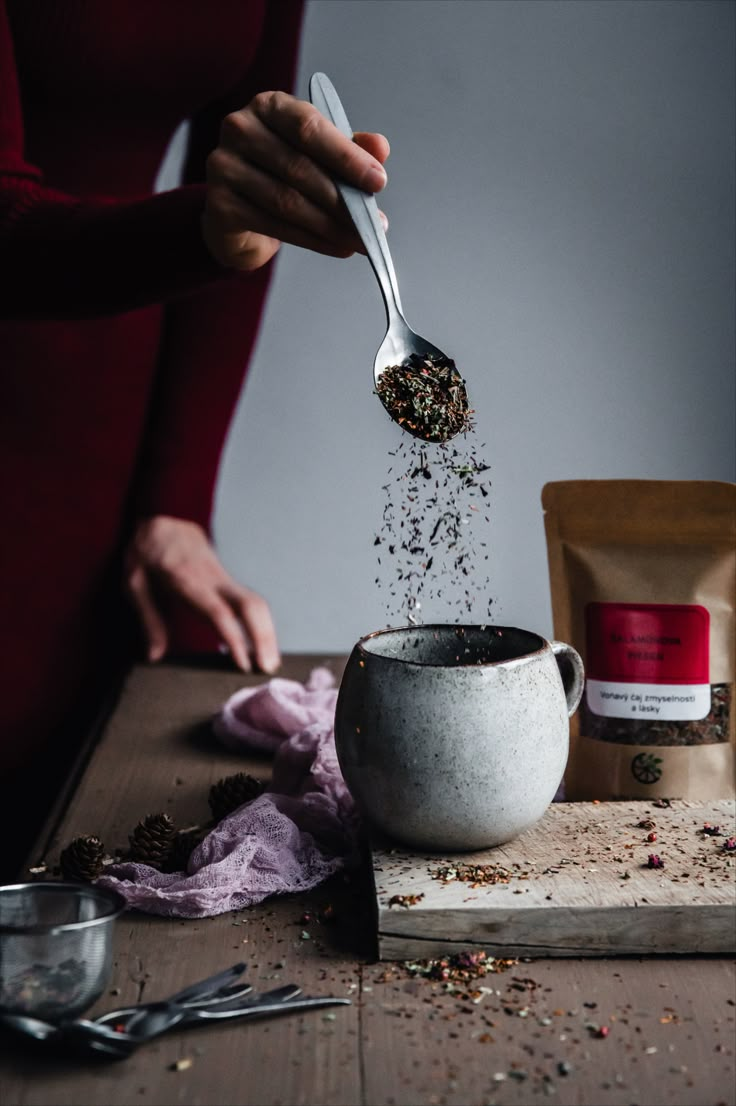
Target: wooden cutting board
pixel 576 884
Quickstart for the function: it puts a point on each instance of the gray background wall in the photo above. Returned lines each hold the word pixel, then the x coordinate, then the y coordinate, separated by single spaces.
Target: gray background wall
pixel 561 199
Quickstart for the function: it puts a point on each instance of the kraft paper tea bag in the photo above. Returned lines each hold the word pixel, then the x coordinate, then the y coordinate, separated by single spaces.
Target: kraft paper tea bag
pixel 643 579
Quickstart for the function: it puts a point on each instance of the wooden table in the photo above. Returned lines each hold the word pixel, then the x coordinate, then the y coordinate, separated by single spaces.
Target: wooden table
pixel 405 1040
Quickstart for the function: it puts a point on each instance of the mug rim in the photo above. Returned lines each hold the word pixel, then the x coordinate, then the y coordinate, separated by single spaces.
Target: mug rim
pixel 432 626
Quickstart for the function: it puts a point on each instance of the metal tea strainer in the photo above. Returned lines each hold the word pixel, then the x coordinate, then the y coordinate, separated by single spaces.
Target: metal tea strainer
pixel 55 947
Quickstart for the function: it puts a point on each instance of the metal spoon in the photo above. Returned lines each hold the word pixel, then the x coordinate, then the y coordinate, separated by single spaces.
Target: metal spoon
pixel 88 1035
pixel 140 1019
pixel 400 341
pixel 97 1037
pixel 157 1018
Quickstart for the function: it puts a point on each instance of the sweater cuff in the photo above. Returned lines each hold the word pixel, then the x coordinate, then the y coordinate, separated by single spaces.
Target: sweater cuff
pixel 72 260
pixel 183 493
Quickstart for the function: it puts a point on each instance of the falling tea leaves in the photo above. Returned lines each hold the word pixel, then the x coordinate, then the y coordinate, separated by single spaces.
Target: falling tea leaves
pixel 432 543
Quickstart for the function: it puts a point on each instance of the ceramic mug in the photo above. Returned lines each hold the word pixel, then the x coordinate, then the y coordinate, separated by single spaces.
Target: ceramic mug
pixel 455 737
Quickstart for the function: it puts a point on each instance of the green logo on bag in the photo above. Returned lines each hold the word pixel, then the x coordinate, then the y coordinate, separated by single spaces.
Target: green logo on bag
pixel 645 768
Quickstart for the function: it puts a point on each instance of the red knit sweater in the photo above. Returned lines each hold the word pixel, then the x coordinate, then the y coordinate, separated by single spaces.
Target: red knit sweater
pixel 122 344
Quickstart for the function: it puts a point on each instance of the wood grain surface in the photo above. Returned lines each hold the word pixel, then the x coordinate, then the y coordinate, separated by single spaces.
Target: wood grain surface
pixel 531 1030
pixel 576 884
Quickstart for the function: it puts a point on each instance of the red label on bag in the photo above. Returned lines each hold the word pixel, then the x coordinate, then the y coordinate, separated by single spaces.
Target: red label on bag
pixel 652 643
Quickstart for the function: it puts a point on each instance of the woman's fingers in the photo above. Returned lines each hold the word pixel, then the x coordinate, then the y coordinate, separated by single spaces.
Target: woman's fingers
pixel 375 144
pixel 202 593
pixel 154 627
pixel 271 206
pixel 284 193
pixel 246 141
pixel 177 555
pixel 306 130
pixel 271 180
pixel 256 617
pixel 233 246
pixel 241 617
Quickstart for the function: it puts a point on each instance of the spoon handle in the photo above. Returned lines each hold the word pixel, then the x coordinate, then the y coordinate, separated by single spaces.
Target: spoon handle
pixel 361 206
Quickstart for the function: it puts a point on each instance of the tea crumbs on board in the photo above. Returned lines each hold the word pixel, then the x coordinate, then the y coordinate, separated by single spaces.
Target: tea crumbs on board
pixel 405 900
pixel 507 1021
pixel 478 875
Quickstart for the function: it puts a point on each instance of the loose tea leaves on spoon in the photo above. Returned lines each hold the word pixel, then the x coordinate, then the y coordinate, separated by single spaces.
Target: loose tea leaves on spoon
pixel 426 395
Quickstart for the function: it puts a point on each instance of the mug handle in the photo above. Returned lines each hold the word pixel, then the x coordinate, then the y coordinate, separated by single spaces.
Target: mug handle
pixel 572 672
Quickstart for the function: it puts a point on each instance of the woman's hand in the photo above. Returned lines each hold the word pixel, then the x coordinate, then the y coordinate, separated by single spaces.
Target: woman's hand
pixel 270 181
pixel 178 556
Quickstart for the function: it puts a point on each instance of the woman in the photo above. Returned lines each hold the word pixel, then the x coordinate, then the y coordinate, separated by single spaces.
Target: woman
pixel 126 323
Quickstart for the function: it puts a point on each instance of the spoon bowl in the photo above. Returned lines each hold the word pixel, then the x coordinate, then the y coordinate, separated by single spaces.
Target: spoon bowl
pixel 398 346
pixel 402 348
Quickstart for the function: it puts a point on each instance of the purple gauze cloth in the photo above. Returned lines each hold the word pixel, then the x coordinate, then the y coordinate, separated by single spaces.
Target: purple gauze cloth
pixel 289 839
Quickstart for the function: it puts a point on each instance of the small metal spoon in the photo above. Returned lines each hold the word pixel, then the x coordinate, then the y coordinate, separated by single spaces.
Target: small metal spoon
pixel 88 1035
pixel 97 1037
pixel 400 341
pixel 157 1018
pixel 143 1018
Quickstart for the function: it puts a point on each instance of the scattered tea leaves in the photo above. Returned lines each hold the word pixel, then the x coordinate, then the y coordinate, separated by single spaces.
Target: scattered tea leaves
pixel 460 967
pixel 181 1065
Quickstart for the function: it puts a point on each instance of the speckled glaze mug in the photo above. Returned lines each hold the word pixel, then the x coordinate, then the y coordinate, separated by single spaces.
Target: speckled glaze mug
pixel 455 737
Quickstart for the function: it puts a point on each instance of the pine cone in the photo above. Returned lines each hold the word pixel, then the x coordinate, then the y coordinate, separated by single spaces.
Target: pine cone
pixel 151 840
pixel 81 860
pixel 184 844
pixel 231 792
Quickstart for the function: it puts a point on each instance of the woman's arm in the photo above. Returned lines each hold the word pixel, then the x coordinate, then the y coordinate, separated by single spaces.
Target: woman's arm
pixel 63 257
pixel 268 180
pixel 208 337
pixel 207 341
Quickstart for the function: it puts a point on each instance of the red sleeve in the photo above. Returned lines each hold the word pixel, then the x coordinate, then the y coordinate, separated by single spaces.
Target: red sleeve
pixel 62 257
pixel 209 336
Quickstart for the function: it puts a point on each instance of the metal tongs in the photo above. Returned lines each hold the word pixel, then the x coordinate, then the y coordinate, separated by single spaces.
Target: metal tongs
pixel 118 1033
